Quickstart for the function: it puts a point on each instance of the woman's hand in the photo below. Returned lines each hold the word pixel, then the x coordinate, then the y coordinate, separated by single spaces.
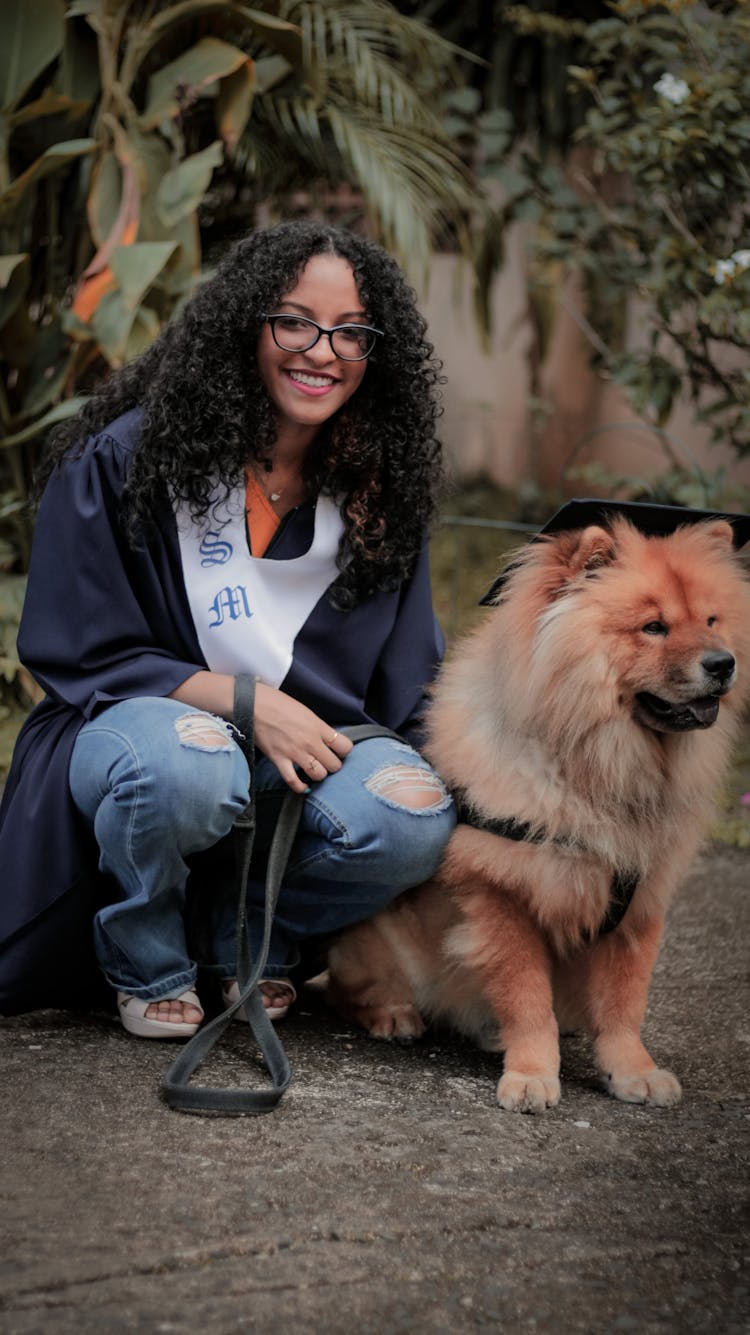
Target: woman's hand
pixel 287 732
pixel 290 735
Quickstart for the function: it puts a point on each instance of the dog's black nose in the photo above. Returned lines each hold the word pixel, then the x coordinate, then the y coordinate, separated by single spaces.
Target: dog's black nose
pixel 719 664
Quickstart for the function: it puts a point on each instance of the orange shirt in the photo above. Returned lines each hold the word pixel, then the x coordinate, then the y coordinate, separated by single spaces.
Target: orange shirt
pixel 262 519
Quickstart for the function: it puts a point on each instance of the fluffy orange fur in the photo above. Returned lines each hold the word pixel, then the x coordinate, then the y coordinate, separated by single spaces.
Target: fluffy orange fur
pixel 584 706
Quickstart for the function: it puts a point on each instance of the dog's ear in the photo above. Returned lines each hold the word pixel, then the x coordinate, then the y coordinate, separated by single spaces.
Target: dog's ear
pixel 720 533
pixel 595 548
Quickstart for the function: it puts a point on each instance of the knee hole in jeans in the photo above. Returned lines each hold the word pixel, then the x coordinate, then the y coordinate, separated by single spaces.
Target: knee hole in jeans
pixel 408 786
pixel 203 732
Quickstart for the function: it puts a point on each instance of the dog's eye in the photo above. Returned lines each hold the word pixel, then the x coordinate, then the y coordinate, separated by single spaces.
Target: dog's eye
pixel 711 621
pixel 655 628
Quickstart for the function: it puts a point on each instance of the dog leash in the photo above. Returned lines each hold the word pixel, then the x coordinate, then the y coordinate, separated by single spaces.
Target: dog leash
pixel 177 1091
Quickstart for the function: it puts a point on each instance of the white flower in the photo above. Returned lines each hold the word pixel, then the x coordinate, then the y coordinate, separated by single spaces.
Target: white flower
pixel 675 90
pixel 723 269
pixel 739 260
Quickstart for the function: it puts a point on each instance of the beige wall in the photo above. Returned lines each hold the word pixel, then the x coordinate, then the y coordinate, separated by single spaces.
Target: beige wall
pixel 489 427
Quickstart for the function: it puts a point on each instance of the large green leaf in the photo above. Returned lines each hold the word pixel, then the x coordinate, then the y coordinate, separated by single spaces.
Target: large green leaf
pixel 210 59
pixel 182 189
pixel 31 37
pixel 143 331
pixel 15 272
pixel 117 325
pixel 153 162
pixel 111 322
pixel 55 159
pixel 105 192
pixel 183 271
pixel 270 71
pixel 235 103
pixel 51 366
pixel 282 36
pixel 78 74
pixel 57 414
pixel 135 268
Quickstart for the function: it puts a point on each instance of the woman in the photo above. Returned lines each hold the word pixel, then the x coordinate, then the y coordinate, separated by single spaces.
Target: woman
pixel 251 495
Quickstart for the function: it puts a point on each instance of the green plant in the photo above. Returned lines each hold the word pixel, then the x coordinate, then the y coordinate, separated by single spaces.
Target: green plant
pixel 130 129
pixel 652 206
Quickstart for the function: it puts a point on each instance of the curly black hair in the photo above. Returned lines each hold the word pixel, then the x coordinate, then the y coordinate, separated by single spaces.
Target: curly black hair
pixel 206 411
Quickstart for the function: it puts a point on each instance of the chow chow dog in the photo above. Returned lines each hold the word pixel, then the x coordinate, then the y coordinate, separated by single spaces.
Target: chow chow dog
pixel 584 728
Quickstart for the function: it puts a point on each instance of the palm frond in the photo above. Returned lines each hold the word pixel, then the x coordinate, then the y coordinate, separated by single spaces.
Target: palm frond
pixel 391 62
pixel 366 111
pixel 412 184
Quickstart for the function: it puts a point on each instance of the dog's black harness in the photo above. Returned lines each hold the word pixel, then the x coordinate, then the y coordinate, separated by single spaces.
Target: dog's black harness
pixel 624 884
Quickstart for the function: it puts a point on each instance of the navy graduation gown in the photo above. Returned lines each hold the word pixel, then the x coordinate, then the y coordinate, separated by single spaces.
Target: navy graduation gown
pixel 103 622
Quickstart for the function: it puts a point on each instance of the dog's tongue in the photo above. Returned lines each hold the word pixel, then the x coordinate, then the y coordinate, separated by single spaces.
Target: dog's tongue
pixel 700 713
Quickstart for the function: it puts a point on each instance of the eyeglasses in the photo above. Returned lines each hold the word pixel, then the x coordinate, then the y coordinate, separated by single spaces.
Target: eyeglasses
pixel 350 342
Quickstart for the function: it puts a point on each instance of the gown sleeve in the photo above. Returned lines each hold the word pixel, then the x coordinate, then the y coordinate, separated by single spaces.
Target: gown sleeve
pixel 102 622
pixel 409 660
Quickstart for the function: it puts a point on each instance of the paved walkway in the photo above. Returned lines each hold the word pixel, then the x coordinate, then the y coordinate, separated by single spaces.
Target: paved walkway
pixel 389 1193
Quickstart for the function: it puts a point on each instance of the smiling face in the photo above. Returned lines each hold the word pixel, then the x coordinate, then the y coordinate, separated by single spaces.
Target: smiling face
pixel 307 388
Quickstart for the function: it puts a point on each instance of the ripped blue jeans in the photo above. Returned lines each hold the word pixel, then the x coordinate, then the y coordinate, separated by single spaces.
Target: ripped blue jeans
pixel 161 784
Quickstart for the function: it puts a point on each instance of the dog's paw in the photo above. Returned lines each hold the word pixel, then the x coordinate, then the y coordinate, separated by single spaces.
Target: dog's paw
pixel 657 1087
pixel 517 1092
pixel 400 1022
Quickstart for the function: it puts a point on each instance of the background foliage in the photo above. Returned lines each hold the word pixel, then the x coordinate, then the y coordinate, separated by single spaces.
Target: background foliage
pixel 138 136
pixel 647 202
pixel 138 133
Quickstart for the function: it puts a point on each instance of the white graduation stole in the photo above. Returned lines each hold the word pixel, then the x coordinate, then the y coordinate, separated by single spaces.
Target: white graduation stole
pixel 248 610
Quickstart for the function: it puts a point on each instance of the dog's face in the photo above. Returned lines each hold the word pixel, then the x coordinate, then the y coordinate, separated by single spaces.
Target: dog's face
pixel 684 671
pixel 661 624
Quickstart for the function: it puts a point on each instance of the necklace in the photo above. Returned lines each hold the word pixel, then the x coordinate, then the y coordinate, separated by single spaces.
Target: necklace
pixel 293 486
pixel 272 495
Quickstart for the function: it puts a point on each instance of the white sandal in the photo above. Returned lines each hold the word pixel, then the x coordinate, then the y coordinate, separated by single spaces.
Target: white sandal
pixel 230 991
pixel 136 1021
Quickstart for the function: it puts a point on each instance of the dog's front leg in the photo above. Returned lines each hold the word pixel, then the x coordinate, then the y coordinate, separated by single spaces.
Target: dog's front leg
pixel 515 968
pixel 618 974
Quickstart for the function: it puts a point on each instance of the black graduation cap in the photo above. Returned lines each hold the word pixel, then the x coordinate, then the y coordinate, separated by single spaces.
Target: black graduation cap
pixel 653 520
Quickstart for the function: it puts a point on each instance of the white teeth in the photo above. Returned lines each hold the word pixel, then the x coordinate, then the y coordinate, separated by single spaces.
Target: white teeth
pixel 314 381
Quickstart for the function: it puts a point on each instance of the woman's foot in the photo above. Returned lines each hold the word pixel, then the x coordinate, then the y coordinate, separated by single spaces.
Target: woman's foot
pixel 178 1017
pixel 277 993
pixel 175 1011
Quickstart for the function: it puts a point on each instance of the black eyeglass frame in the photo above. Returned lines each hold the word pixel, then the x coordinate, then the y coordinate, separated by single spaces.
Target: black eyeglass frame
pixel 305 319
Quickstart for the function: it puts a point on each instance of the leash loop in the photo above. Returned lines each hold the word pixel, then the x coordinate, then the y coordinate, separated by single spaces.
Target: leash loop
pixel 177 1091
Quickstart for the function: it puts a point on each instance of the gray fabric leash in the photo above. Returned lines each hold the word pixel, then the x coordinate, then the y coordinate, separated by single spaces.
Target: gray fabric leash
pixel 177 1091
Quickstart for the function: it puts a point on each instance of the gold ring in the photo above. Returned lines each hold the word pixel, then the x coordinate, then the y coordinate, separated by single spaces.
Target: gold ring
pixel 333 739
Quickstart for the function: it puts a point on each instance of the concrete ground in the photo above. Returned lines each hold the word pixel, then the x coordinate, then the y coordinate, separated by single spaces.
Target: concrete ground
pixel 388 1193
